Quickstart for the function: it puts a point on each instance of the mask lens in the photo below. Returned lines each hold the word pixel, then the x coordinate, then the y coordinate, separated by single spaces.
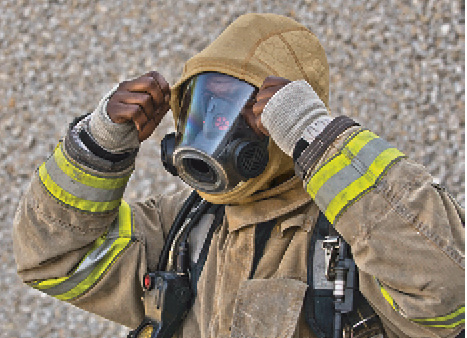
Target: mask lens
pixel 210 106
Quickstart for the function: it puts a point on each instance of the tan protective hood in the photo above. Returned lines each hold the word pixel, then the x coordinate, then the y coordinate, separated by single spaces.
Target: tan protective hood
pixel 252 48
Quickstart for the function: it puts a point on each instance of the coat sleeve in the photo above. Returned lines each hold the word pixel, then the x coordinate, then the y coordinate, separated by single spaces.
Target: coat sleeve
pixel 77 240
pixel 406 233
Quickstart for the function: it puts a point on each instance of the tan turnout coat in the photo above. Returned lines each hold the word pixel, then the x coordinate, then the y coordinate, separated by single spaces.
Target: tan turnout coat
pixel 406 234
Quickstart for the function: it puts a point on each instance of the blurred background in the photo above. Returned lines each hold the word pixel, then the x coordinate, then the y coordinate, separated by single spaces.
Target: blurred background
pixel 398 67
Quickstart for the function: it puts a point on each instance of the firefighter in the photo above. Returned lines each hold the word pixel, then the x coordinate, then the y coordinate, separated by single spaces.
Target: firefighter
pixel 282 190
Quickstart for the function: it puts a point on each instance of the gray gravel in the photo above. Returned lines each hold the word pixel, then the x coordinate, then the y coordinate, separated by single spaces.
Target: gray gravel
pixel 396 66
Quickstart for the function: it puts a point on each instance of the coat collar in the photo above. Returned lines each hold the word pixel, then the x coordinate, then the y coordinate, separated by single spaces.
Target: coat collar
pixel 286 201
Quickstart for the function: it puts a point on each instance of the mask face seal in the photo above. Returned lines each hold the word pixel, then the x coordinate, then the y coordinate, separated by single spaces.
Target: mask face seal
pixel 215 149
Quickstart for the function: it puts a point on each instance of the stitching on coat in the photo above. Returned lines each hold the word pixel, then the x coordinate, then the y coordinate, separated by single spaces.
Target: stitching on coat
pixel 159 216
pixel 404 212
pixel 65 225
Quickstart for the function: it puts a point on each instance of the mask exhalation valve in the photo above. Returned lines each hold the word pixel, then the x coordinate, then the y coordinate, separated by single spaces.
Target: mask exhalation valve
pixel 251 158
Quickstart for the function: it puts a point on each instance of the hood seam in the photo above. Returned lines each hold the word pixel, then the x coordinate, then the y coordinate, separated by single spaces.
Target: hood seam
pixel 267 37
pixel 294 55
pixel 267 66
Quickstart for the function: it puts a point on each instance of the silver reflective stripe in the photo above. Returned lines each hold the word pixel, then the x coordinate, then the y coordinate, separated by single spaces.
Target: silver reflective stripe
pixel 87 265
pixel 78 189
pixel 350 173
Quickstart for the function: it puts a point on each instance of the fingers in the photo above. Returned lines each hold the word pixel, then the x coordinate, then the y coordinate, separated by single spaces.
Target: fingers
pixel 123 112
pixel 147 130
pixel 254 121
pixel 162 83
pixel 272 81
pixel 144 100
pixel 152 84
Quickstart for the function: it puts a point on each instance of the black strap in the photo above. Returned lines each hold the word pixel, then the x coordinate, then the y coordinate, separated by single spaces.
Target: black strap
pixel 97 150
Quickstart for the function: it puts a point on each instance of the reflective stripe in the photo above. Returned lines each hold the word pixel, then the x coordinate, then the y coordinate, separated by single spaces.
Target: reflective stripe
pixel 351 173
pixel 333 186
pixel 449 321
pixel 388 297
pixel 80 190
pixel 77 174
pixel 72 186
pixel 97 261
pixel 341 160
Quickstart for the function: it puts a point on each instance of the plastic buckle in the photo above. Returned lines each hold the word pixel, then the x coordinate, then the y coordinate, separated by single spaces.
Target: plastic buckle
pixel 331 246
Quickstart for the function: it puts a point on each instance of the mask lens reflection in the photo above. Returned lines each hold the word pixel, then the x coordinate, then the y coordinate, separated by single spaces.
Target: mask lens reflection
pixel 210 105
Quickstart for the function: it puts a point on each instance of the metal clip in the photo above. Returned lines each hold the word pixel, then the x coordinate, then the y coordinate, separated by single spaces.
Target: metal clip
pixel 331 250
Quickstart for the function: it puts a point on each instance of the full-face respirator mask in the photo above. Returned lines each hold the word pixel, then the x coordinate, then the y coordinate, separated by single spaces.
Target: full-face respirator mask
pixel 214 150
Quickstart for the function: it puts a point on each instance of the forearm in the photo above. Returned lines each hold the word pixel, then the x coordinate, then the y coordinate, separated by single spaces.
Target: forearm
pixel 407 237
pixel 405 234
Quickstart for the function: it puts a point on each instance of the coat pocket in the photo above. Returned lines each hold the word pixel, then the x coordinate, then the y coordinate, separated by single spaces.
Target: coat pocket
pixel 267 308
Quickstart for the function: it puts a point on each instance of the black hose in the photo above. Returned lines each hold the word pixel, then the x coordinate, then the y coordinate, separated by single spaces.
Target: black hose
pixel 181 262
pixel 177 223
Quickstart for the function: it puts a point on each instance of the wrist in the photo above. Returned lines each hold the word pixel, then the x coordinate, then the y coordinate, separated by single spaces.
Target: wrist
pixel 306 158
pixel 113 137
pixel 290 111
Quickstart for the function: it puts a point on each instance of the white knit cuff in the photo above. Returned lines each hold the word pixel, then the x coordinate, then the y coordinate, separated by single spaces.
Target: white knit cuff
pixel 290 111
pixel 113 137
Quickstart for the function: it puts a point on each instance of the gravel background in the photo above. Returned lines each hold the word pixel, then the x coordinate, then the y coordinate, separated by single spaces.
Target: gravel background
pixel 396 66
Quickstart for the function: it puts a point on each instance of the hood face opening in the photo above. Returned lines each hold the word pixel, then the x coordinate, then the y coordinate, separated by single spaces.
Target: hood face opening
pixel 252 48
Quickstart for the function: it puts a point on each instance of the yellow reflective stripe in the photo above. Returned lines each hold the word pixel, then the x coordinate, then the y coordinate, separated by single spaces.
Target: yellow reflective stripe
pixel 357 142
pixel 108 260
pixel 456 313
pixel 449 321
pixel 125 226
pixel 49 283
pixel 387 296
pixel 67 198
pixel 326 172
pixel 124 220
pixel 80 176
pixel 357 187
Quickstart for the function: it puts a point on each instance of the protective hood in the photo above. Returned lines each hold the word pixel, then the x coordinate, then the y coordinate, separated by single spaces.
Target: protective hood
pixel 252 48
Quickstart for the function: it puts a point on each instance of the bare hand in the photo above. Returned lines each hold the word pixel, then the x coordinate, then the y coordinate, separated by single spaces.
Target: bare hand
pixel 252 113
pixel 144 101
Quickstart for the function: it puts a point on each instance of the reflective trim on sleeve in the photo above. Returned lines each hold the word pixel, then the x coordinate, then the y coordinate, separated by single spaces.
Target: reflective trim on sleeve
pixel 388 297
pixel 72 186
pixel 355 170
pixel 449 321
pixel 104 252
